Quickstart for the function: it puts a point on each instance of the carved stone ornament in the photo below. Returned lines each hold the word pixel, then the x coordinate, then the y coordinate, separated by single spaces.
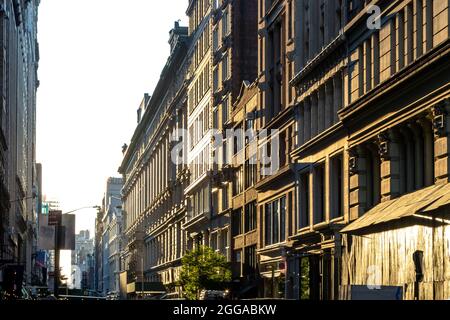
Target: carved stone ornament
pixel 383 145
pixel 353 161
pixel 439 116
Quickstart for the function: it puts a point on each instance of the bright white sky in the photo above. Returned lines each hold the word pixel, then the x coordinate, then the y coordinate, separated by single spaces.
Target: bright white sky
pixel 97 59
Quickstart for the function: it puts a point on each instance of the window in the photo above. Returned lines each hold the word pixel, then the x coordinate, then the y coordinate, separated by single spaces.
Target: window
pixel 225 23
pixel 250 217
pixel 215 39
pixel 206 119
pixel 250 266
pixel 251 171
pixel 337 187
pixel 238 181
pixel 275 221
pixel 225 110
pixel 225 68
pixel 214 241
pixel 304 200
pixel 216 79
pixel 237 222
pixel 238 139
pixel 250 130
pixel 215 118
pixel 225 198
pixel 373 176
pixel 215 203
pixel 319 194
pixel 206 71
pixel 290 20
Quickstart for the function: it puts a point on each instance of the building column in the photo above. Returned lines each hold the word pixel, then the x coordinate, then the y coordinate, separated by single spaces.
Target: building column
pixel 358 182
pixel 390 154
pixel 441 127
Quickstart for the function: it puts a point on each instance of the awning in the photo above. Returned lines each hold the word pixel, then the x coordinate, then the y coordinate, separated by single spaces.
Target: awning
pixel 415 203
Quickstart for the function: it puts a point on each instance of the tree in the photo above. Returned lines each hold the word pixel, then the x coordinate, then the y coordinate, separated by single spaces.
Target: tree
pixel 203 269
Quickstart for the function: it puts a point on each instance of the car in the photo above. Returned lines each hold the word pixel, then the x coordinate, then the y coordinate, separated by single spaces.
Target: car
pixel 214 295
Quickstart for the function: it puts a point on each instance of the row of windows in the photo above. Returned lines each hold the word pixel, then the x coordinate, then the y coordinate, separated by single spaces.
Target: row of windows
pixel 415 157
pixel 221 31
pixel 221 113
pixel 275 221
pixel 199 128
pixel 197 14
pixel 224 74
pixel 201 47
pixel 200 165
pixel 314 197
pixel 321 22
pixel 199 89
pixel 244 220
pixel 246 265
pixel 166 247
pixel 220 200
pixel 199 202
pixel 219 241
pixel 319 111
pixel 412 31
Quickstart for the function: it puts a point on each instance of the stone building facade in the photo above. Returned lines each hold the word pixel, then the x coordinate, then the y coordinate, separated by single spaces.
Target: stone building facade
pixel 244 216
pixel 397 123
pixel 319 156
pixel 367 138
pixel 154 206
pixel 349 103
pixel 275 116
pixel 19 57
pixel 223 56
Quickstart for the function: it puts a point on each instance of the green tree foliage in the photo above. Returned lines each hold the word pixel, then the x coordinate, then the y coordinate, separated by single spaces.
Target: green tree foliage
pixel 203 269
pixel 304 281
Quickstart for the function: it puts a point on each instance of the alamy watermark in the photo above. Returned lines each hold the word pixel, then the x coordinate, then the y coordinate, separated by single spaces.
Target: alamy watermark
pixel 263 148
pixel 374 20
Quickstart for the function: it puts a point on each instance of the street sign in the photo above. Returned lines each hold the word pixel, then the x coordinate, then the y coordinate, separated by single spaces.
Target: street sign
pixel 54 218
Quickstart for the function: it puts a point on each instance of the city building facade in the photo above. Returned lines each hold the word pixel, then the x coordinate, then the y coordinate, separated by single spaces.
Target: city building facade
pixel 224 41
pixel 107 238
pixel 367 146
pixel 313 257
pixel 155 176
pixel 396 115
pixel 243 198
pixel 18 86
pixel 339 113
pixel 275 116
pixel 83 277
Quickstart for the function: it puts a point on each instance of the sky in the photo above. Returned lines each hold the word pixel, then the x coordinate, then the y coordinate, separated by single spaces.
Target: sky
pixel 97 59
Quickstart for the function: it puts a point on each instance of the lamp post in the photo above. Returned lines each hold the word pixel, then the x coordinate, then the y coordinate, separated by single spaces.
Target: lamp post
pixel 57 249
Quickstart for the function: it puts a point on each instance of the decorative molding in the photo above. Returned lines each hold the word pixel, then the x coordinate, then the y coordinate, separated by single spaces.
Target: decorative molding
pixel 383 145
pixel 353 161
pixel 439 113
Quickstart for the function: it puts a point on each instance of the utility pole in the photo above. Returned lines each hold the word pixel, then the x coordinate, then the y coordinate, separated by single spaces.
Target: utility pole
pixel 55 219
